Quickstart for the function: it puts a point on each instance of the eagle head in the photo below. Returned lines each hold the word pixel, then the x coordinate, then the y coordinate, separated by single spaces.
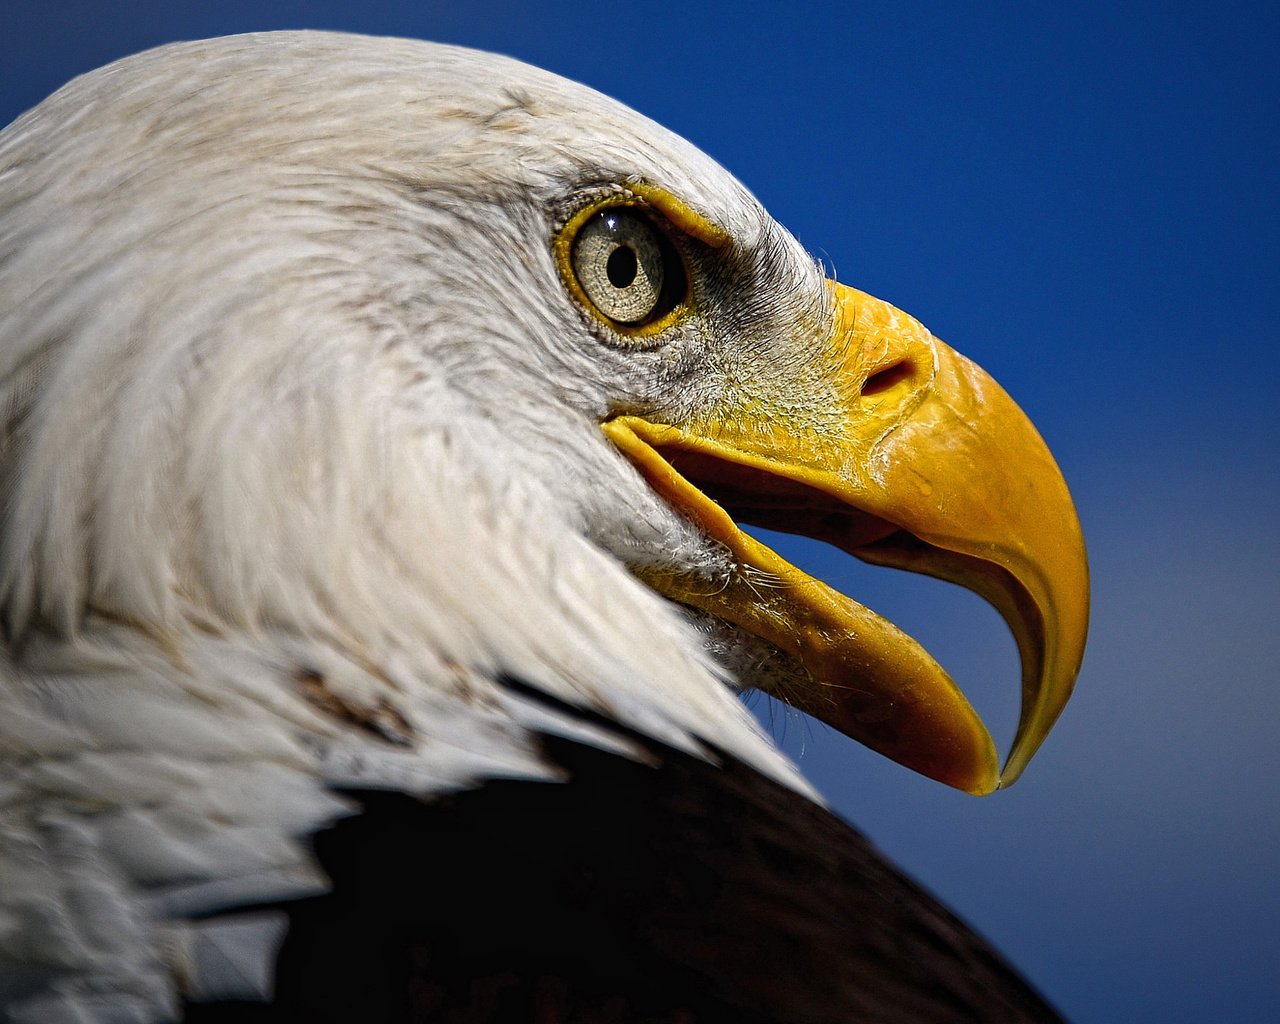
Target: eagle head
pixel 441 368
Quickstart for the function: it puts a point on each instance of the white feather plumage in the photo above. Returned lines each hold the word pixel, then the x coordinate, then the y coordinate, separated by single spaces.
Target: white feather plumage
pixel 291 389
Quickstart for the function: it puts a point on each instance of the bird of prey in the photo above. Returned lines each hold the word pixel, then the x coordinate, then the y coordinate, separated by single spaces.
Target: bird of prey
pixel 380 422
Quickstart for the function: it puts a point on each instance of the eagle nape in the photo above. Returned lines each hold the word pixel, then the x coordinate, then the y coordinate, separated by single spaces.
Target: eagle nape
pixel 381 420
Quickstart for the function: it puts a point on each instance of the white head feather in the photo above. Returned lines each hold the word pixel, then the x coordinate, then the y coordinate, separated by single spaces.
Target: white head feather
pixel 292 391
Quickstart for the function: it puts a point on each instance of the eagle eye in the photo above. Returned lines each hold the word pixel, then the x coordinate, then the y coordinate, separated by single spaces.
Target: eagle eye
pixel 627 267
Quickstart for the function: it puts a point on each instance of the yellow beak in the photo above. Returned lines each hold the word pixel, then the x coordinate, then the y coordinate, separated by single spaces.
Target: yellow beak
pixel 917 460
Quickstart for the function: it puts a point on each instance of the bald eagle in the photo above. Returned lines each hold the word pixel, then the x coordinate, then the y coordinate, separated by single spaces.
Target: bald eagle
pixel 380 420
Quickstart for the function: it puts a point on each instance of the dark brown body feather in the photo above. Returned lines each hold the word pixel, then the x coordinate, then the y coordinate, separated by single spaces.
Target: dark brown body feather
pixel 674 891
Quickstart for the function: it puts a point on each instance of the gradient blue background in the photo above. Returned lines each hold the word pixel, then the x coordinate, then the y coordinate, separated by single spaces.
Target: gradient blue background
pixel 1082 197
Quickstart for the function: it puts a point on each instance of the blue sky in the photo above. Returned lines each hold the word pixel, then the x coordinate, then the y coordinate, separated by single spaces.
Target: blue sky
pixel 1084 198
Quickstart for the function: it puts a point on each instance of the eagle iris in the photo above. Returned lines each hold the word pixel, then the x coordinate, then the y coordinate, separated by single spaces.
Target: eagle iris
pixel 626 267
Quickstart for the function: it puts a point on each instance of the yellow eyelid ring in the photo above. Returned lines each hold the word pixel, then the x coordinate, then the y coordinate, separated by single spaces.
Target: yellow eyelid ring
pixel 668 218
pixel 683 217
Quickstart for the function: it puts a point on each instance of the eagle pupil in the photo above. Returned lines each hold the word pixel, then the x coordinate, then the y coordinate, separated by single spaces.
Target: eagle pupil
pixel 621 266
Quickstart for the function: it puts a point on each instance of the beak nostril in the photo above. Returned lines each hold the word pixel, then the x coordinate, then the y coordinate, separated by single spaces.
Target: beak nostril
pixel 886 377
